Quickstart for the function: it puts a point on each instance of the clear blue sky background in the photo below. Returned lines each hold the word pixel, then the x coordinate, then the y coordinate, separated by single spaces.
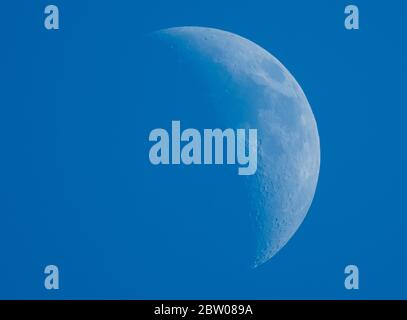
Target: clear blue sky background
pixel 52 82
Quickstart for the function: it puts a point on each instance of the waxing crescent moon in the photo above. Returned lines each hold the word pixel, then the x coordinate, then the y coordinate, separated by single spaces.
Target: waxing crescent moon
pixel 250 88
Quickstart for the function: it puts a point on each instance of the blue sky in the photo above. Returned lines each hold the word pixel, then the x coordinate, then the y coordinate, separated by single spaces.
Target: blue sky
pixel 56 207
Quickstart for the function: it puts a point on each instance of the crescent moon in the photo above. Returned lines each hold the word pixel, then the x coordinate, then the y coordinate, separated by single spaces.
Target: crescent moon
pixel 267 97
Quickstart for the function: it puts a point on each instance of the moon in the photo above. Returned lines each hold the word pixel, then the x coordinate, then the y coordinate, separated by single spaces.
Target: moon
pixel 211 78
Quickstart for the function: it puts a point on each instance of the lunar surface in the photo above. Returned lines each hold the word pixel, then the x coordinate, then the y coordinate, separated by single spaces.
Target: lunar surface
pixel 240 85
